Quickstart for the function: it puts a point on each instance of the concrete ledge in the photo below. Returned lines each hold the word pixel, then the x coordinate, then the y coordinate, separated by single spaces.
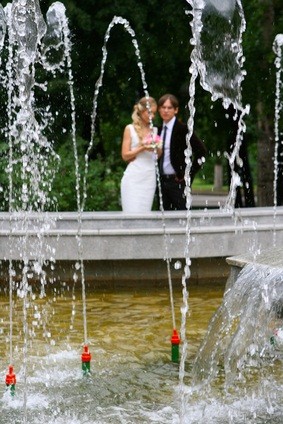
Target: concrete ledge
pixel 116 236
pixel 122 248
pixel 125 273
pixel 272 258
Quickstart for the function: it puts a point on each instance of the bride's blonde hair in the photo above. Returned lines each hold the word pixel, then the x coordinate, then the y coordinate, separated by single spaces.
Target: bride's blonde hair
pixel 143 104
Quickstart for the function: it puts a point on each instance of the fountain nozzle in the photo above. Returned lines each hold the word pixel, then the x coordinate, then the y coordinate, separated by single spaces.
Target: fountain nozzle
pixel 11 380
pixel 86 357
pixel 175 341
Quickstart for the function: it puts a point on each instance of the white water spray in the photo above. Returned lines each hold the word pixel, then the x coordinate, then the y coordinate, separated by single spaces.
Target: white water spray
pixel 217 58
pixel 277 48
pixel 32 158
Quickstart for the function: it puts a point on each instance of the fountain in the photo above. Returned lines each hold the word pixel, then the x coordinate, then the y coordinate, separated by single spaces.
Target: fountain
pixel 241 354
pixel 32 160
pixel 243 346
pixel 236 376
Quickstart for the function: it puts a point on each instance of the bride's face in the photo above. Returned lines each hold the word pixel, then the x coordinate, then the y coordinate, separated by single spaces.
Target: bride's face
pixel 146 115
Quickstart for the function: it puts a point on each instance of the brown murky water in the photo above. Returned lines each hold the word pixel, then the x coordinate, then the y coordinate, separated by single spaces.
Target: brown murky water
pixel 129 334
pixel 132 379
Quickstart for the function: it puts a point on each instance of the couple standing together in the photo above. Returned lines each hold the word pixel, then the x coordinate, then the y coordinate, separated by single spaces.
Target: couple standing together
pixel 138 184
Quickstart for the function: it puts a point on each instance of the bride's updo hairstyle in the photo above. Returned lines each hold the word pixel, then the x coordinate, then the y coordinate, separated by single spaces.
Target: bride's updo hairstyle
pixel 143 104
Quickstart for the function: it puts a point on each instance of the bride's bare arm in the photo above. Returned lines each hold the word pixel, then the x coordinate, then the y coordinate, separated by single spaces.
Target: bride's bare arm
pixel 129 155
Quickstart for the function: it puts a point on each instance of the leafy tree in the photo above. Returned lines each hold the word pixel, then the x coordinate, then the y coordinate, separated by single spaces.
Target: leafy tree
pixel 264 20
pixel 163 35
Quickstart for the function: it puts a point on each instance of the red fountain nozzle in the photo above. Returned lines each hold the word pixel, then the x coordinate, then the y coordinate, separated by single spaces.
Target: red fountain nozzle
pixel 11 379
pixel 86 358
pixel 175 339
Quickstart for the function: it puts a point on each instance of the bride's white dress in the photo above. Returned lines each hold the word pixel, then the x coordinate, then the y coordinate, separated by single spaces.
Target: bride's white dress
pixel 139 181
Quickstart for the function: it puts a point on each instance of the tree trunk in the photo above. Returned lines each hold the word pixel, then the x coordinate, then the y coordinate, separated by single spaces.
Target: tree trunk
pixel 265 146
pixel 265 160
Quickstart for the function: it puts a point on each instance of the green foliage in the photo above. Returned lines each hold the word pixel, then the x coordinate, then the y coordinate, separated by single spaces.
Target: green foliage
pixel 103 189
pixel 163 35
pixel 4 186
pixel 102 178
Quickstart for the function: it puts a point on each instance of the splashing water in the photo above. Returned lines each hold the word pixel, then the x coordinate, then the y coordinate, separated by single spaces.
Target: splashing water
pixel 243 345
pixel 277 48
pixel 217 57
pixel 217 53
pixel 32 159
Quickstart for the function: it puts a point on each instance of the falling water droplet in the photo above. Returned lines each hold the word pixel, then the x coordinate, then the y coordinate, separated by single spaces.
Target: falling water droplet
pixel 178 265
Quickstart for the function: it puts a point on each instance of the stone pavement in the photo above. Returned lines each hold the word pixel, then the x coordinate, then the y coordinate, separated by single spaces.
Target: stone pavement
pixel 208 200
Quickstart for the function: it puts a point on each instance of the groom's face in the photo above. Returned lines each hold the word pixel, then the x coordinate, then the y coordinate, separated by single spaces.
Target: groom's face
pixel 167 111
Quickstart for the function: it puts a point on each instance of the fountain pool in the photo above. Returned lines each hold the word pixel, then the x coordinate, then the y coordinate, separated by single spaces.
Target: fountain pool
pixel 132 377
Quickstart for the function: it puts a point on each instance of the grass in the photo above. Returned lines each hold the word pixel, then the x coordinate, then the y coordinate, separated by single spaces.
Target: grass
pixel 201 186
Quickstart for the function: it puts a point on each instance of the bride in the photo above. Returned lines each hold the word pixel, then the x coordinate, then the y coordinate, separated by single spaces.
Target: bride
pixel 140 146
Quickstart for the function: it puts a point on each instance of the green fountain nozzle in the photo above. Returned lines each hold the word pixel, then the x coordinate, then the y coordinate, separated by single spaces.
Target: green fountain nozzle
pixel 175 342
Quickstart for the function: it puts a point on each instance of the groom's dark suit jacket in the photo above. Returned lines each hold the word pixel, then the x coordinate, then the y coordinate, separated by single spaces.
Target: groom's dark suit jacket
pixel 178 146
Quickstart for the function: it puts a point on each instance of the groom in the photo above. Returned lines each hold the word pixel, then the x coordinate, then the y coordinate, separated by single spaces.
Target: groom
pixel 172 163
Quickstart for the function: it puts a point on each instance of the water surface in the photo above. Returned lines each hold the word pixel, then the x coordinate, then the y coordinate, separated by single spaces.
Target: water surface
pixel 133 379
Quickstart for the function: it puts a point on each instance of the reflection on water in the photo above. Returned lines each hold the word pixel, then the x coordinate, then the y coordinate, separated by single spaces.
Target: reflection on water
pixel 133 379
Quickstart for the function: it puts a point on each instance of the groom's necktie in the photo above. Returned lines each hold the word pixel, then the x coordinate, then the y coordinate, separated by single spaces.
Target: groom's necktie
pixel 162 157
pixel 164 133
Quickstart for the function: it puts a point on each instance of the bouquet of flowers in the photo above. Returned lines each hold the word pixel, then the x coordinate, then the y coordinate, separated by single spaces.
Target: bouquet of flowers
pixel 152 141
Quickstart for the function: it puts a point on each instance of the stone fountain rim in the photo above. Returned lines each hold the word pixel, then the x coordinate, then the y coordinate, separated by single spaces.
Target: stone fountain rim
pixel 271 257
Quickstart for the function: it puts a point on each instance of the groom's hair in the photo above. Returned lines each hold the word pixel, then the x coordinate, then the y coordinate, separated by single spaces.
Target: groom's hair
pixel 173 99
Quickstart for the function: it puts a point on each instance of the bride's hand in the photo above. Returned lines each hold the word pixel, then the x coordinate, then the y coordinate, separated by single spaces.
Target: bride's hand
pixel 148 146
